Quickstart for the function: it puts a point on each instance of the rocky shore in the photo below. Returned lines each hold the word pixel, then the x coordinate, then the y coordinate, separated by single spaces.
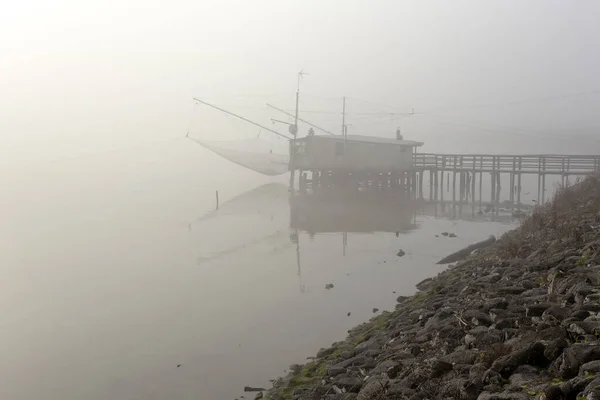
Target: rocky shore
pixel 517 320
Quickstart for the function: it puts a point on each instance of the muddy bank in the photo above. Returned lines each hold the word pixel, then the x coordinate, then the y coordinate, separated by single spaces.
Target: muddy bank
pixel 518 320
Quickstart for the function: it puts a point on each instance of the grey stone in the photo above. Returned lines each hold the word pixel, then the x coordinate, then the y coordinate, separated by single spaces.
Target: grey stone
pixel 334 370
pixel 460 357
pixel 372 388
pixel 590 367
pixel 575 356
pixel 349 383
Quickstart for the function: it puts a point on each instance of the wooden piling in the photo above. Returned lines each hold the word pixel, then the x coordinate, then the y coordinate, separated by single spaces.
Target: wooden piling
pixel 421 174
pixel 493 189
pixel 217 197
pixel 519 188
pixel 454 188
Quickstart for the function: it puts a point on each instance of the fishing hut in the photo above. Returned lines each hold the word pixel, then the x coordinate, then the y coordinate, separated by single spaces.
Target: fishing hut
pixel 354 162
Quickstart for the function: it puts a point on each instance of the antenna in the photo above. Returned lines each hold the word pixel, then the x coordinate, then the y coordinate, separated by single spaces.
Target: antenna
pixel 294 128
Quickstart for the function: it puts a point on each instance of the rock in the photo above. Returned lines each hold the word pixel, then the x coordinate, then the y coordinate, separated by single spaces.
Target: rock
pixel 329 286
pixel 348 314
pixel 325 352
pixel 514 290
pixel 592 390
pixel 334 370
pixel 477 317
pixel 460 357
pixel 349 383
pixel 495 303
pixel 415 349
pixel 554 313
pixel 400 253
pixel 295 368
pixel 575 356
pixel 532 354
pixel 397 390
pixel 524 375
pixel 590 367
pixel 439 368
pixel 402 299
pixel 536 310
pixel 554 348
pixel 253 389
pixel 552 392
pixel 452 235
pixel 374 387
pixel 424 284
pixel 579 315
pixel 504 396
pixel 366 345
pixel 375 310
pixel 384 367
pixel 445 234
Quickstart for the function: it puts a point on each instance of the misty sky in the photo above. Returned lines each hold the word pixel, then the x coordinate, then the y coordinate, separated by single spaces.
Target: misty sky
pixel 83 75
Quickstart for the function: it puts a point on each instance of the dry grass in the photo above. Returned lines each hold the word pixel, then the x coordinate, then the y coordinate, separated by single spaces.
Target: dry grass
pixel 556 223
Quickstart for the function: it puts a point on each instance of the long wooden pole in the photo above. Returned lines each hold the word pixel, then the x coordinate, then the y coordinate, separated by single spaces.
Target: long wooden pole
pixel 242 118
pixel 300 119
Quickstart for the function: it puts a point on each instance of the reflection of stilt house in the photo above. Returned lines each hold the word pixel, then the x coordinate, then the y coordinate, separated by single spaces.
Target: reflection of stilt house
pixel 354 162
pixel 332 211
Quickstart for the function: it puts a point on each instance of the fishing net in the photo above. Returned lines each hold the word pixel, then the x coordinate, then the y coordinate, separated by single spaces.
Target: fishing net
pixel 264 161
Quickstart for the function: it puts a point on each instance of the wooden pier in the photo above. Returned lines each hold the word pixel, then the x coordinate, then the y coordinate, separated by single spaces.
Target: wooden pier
pixel 472 170
pixel 461 179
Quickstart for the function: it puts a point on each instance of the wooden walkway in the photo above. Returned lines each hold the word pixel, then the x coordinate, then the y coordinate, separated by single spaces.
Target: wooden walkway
pixel 565 165
pixel 470 168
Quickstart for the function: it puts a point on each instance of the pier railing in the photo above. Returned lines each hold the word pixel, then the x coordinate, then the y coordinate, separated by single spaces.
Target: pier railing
pixel 521 164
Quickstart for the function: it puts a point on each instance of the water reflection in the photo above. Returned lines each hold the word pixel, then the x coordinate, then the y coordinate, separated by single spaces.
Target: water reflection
pixel 267 257
pixel 355 213
pixel 268 219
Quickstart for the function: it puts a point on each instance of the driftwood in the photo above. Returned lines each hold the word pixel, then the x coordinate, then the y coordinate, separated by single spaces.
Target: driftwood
pixel 464 253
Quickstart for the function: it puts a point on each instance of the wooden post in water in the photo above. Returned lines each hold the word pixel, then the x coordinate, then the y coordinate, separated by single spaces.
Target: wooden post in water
pixel 442 189
pixel 461 187
pixel 480 182
pixel 512 184
pixel 430 185
pixel 473 190
pixel 415 186
pixel 539 180
pixel 519 189
pixel 498 188
pixel 454 188
pixel 543 180
pixel 493 191
pixel 421 174
pixel 543 188
pixel 217 196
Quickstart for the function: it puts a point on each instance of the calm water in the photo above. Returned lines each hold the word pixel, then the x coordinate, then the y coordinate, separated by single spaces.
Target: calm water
pixel 115 270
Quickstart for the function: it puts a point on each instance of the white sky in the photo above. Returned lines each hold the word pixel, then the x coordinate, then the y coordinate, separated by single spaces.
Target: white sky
pixel 98 74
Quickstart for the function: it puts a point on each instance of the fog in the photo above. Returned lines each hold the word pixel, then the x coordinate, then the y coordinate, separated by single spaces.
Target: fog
pixel 117 267
pixel 83 77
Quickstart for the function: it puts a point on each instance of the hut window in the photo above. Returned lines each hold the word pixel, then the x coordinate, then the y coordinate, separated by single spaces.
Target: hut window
pixel 402 149
pixel 339 149
pixel 300 147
